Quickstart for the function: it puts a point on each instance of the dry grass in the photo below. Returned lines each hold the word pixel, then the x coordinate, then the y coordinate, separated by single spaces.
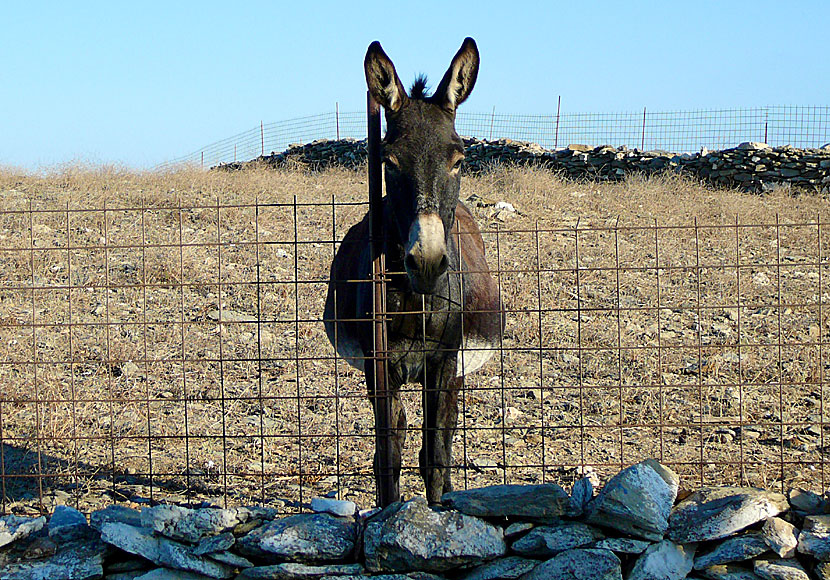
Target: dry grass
pixel 656 345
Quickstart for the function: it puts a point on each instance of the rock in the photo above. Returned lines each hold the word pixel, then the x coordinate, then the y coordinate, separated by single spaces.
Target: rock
pixel 780 536
pixel 13 528
pixel 231 559
pixel 40 547
pixel 637 501
pixel 780 570
pixel 115 514
pixel 80 560
pixel 502 569
pixel 161 551
pixel 734 549
pixel 717 512
pixel 517 529
pixel 664 561
pixel 549 540
pixel 291 571
pixel 814 539
pixel 230 316
pixel 307 538
pixel 753 146
pixel 622 545
pixel 335 507
pixel 67 524
pixel 413 536
pixel 168 574
pixel 213 544
pixel 514 501
pixel 190 525
pixel 578 564
pixel 822 570
pixel 760 279
pixel 729 572
pixel 581 494
pixel 580 148
pixel 806 501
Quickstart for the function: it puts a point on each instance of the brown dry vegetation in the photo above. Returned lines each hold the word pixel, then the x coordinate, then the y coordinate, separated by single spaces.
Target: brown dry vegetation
pixel 655 346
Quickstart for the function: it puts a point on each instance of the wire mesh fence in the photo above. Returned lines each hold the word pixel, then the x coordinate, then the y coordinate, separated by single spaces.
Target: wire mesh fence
pixel 176 352
pixel 673 131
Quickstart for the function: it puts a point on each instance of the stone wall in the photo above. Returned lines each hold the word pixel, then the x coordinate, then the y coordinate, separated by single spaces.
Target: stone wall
pixel 639 527
pixel 751 166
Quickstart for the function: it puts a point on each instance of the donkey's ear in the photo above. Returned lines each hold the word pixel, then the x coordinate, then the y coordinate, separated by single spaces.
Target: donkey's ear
pixel 460 78
pixel 382 80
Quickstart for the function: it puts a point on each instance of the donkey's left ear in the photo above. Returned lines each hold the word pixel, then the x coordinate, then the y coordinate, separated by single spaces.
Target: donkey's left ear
pixel 460 78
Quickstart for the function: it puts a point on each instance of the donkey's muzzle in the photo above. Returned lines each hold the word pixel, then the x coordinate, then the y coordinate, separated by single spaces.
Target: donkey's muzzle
pixel 426 257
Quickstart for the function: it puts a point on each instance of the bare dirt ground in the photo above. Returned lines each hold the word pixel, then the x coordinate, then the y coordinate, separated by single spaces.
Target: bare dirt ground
pixel 161 337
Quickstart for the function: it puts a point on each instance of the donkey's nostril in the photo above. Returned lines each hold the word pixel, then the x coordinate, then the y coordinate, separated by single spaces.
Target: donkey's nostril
pixel 445 263
pixel 410 263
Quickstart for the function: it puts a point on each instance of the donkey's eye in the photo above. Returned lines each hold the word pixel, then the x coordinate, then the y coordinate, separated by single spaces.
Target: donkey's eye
pixel 457 165
pixel 390 161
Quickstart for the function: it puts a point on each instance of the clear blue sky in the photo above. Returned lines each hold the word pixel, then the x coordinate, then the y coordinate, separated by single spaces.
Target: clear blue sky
pixel 138 83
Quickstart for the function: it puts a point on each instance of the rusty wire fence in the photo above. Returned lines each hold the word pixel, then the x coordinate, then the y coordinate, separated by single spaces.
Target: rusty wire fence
pixel 177 353
pixel 673 131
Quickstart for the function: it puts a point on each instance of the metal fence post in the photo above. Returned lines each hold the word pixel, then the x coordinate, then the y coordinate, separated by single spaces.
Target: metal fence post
pixel 383 408
pixel 558 108
pixel 337 118
pixel 262 137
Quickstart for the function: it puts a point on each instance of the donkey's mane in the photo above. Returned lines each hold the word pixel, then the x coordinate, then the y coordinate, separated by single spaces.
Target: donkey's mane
pixel 419 88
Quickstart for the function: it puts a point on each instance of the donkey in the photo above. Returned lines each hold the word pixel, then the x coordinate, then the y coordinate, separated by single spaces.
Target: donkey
pixel 443 307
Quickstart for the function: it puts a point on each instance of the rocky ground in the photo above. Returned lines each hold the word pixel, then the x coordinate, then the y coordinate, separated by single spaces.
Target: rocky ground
pixel 161 338
pixel 751 166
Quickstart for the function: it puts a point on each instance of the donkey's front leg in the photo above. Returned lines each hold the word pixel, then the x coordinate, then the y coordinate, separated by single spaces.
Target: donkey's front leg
pixel 440 417
pixel 389 439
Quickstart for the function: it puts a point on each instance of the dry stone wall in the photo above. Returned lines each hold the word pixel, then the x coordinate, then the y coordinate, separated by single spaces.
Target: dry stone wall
pixel 751 166
pixel 641 525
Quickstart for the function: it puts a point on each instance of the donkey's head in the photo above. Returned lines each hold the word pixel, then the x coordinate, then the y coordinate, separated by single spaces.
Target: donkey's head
pixel 423 155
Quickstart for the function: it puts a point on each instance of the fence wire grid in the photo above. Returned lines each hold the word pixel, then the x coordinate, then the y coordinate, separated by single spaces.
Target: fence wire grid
pixel 673 131
pixel 178 354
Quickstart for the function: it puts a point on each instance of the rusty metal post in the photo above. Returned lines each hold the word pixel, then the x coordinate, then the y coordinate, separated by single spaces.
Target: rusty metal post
pixel 383 408
pixel 558 108
pixel 643 139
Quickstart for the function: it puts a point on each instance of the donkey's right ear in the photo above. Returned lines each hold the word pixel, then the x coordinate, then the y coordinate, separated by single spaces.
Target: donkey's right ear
pixel 382 80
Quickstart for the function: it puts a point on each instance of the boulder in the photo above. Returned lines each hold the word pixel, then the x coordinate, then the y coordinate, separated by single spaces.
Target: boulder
pixel 780 536
pixel 161 551
pixel 413 536
pixel 578 564
pixel 814 539
pixel 664 561
pixel 78 560
pixel 336 507
pixel 502 569
pixel 549 540
pixel 305 538
pixel 190 525
pixel 293 571
pixel 13 528
pixel 734 549
pixel 780 570
pixel 637 501
pixel 543 501
pixel 67 524
pixel 717 512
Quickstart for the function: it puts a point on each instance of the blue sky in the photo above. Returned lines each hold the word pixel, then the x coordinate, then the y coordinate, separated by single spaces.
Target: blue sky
pixel 137 83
